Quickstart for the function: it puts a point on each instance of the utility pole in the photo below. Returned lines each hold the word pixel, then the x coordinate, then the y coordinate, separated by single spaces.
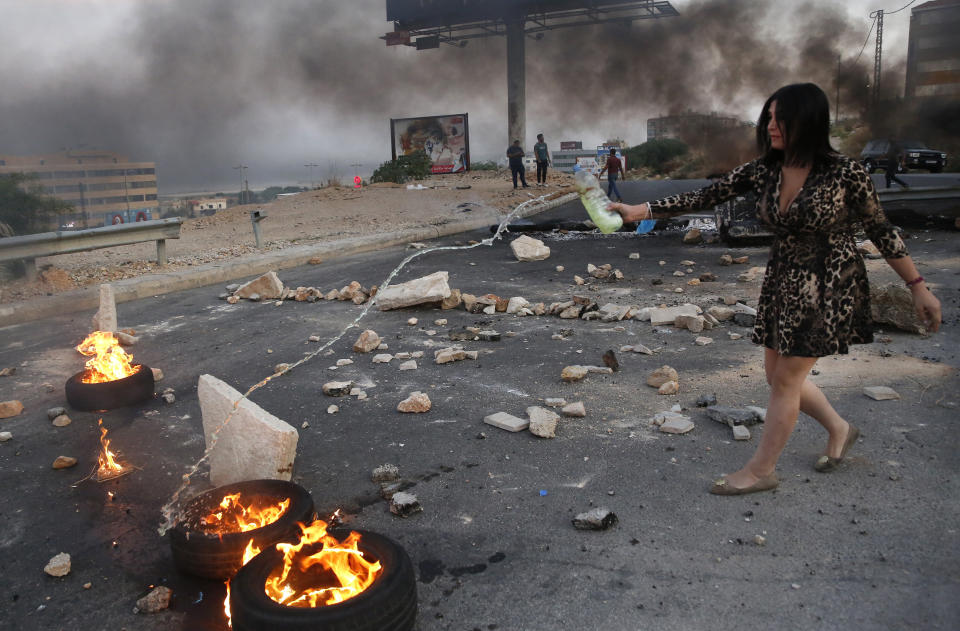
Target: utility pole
pixel 836 118
pixel 878 16
pixel 310 168
pixel 240 196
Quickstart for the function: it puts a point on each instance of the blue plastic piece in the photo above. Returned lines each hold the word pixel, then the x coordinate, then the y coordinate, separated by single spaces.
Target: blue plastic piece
pixel 543 492
pixel 646 226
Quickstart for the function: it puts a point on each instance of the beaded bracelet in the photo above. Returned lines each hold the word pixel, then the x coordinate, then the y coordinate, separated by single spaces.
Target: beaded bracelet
pixel 918 279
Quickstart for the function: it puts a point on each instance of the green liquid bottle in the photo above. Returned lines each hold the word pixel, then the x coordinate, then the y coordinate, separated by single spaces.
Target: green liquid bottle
pixel 595 201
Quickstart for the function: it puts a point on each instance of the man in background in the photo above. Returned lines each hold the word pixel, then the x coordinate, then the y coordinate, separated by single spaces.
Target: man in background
pixel 515 154
pixel 614 169
pixel 542 156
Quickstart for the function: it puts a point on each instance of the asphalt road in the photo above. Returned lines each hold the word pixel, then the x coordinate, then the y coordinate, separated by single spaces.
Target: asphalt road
pixel 874 545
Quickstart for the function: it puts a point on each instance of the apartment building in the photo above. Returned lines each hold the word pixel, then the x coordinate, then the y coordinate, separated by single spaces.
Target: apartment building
pixel 933 56
pixel 103 187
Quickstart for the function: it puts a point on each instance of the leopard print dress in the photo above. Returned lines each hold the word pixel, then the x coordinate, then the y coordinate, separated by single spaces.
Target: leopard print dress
pixel 815 299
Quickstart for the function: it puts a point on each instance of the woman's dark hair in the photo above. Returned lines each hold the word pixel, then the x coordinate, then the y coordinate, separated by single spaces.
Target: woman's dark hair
pixel 804 116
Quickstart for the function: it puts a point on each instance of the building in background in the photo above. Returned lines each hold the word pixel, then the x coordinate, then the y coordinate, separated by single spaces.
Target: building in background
pixel 103 187
pixel 207 206
pixel 933 56
pixel 689 125
pixel 571 151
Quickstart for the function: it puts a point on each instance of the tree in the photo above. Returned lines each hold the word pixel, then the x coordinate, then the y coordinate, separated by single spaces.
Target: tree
pixel 654 154
pixel 25 207
pixel 416 166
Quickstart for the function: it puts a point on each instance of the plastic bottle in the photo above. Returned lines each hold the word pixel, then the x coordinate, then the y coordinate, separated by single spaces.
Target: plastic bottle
pixel 595 201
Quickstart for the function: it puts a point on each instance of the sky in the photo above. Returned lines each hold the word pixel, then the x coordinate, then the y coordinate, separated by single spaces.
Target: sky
pixel 200 86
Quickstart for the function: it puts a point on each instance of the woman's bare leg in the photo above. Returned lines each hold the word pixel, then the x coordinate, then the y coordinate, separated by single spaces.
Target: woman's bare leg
pixel 786 379
pixel 814 403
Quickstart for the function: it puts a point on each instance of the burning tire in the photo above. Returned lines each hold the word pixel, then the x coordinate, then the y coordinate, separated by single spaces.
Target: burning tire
pixel 388 604
pixel 108 395
pixel 219 555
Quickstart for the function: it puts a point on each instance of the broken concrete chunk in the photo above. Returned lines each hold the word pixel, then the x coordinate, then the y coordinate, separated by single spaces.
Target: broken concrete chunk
pixel 105 319
pixel 157 600
pixel 253 444
pixel 893 304
pixel 416 403
pixel 368 341
pixel 337 388
pixel 733 416
pixel 386 473
pixel 382 358
pixel 596 519
pixel 59 565
pixel 676 424
pixel 431 288
pixel 575 409
pixel 452 301
pixel 404 504
pixel 62 421
pixel 409 365
pixel 506 421
pixel 740 432
pixel 516 304
pixel 543 422
pixel 267 287
pixel 693 323
pixel 53 413
pixel 600 370
pixel 668 315
pixel 554 402
pixel 5 436
pixel 881 393
pixel 669 387
pixel 703 341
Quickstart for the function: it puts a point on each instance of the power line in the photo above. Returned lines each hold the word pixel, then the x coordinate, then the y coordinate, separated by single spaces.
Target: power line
pixel 900 9
pixel 862 48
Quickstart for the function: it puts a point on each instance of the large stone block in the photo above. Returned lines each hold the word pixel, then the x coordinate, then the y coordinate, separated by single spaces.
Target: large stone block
pixel 431 288
pixel 252 445
pixel 668 315
pixel 268 287
pixel 105 319
pixel 529 249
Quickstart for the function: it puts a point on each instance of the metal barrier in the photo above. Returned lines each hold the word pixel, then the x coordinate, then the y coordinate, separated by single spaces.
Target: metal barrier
pixel 31 246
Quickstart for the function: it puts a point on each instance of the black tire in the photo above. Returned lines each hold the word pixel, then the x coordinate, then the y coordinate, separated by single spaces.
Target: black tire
pixel 389 604
pixel 219 557
pixel 109 395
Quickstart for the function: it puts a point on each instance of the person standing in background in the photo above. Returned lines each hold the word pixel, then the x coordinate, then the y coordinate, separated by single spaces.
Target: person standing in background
pixel 614 168
pixel 515 154
pixel 542 155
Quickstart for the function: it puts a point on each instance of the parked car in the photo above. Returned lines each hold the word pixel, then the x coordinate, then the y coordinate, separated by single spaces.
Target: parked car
pixel 914 155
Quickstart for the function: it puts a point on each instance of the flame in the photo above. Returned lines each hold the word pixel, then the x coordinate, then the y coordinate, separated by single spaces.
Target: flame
pixel 107 464
pixel 233 516
pixel 109 362
pixel 249 552
pixel 334 573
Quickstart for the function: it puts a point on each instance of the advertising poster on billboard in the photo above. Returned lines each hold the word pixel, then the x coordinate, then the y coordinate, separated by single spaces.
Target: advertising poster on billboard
pixel 444 139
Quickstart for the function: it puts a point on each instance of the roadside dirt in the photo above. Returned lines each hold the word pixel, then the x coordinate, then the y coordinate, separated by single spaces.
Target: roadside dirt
pixel 310 217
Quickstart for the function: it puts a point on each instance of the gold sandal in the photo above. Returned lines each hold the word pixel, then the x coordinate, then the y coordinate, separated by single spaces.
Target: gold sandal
pixel 766 483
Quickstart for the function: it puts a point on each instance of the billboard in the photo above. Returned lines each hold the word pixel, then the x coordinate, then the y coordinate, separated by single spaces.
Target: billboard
pixel 445 139
pixel 603 152
pixel 570 145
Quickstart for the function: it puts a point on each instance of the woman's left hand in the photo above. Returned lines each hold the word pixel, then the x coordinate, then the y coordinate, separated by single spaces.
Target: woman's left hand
pixel 927 307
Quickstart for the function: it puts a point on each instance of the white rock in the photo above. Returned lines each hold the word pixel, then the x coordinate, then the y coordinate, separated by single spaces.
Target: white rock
pixel 344 362
pixel 506 421
pixel 668 315
pixel 515 304
pixel 267 287
pixel 560 268
pixel 741 432
pixel 677 425
pixel 703 341
pixel 543 422
pixel 575 409
pixel 412 321
pixel 333 409
pixel 416 403
pixel 431 288
pixel 554 402
pixel 527 248
pixel 5 436
pixel 58 565
pixel 368 341
pixel 253 445
pixel 409 365
pixel 382 358
pixel 881 393
pixel 634 255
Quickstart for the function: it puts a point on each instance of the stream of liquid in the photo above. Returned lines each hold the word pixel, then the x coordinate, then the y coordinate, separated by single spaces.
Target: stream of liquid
pixel 170 510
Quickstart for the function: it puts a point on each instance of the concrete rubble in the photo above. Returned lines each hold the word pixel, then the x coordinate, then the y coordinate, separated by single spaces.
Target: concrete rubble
pixel 734 416
pixel 157 600
pixel 368 341
pixel 543 422
pixel 416 403
pixel 892 304
pixel 881 393
pixel 267 287
pixel 506 421
pixel 252 445
pixel 596 519
pixel 105 319
pixel 9 409
pixel 404 504
pixel 59 565
pixel 527 248
pixel 576 410
pixel 427 289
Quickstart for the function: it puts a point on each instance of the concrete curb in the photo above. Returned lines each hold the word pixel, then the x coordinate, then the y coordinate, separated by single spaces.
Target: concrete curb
pixel 225 271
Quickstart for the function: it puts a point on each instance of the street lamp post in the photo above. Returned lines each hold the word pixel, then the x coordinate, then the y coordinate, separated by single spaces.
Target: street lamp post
pixel 240 196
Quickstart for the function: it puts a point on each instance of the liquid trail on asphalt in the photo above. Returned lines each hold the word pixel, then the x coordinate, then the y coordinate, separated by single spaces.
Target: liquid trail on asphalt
pixel 170 510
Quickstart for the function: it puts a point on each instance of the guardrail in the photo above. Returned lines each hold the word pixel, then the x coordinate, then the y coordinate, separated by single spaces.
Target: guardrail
pixel 29 247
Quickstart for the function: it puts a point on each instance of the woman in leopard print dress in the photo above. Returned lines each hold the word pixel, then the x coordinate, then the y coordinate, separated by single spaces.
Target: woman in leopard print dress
pixel 815 297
